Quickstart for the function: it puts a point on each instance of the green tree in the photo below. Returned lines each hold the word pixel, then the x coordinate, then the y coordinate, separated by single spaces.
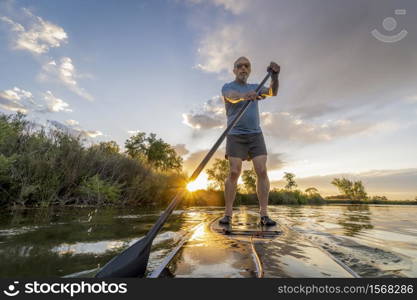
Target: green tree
pixel 155 151
pixel 110 147
pixel 249 180
pixel 136 146
pixel 353 190
pixel 379 198
pixel 218 173
pixel 289 177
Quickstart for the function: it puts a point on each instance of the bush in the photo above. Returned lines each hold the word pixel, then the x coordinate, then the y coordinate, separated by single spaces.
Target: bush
pixel 98 190
pixel 43 166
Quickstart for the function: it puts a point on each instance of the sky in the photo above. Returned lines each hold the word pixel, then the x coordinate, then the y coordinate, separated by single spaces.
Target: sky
pixel 346 107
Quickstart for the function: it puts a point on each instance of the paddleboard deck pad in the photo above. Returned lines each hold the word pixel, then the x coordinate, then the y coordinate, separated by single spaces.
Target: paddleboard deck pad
pixel 244 228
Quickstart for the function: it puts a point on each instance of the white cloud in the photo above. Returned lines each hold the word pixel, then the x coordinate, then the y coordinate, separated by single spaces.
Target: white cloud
pixel 55 104
pixel 65 128
pixel 211 115
pixel 73 129
pixel 282 125
pixel 14 26
pixel 330 62
pixel 181 149
pixel 274 161
pixel 133 132
pixel 72 122
pixel 287 127
pixel 39 36
pixel 218 50
pixel 411 99
pixel 17 100
pixel 20 100
pixel 93 133
pixel 16 94
pixel 234 6
pixel 66 73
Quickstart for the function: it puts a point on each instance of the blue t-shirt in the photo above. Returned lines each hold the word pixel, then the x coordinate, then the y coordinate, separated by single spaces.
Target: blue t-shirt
pixel 249 122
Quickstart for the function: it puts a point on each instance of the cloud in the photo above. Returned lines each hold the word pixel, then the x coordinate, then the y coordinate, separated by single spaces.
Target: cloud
pixel 72 122
pixel 65 73
pixel 194 159
pixel 14 26
pixel 211 115
pixel 67 129
pixel 411 99
pixel 218 56
pixel 55 104
pixel 133 132
pixel 181 150
pixel 284 126
pixel 234 6
pixel 395 184
pixel 39 36
pixel 18 100
pixel 73 129
pixel 274 161
pixel 16 94
pixel 331 64
pixel 92 133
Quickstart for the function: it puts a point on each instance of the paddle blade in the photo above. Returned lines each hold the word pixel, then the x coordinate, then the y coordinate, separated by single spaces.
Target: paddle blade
pixel 131 262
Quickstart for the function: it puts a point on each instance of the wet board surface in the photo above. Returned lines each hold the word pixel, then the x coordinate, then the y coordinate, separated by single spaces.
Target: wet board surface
pixel 211 253
pixel 208 254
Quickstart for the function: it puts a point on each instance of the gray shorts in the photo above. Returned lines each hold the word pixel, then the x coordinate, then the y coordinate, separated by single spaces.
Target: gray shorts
pixel 245 146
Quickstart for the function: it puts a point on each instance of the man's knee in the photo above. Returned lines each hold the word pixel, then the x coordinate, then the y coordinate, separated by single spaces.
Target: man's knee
pixel 234 174
pixel 262 173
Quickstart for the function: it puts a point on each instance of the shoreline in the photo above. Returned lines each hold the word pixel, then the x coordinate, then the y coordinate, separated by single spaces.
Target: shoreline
pixel 326 202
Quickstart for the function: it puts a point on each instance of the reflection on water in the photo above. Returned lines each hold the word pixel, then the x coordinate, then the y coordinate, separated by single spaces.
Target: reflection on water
pixel 355 218
pixel 375 241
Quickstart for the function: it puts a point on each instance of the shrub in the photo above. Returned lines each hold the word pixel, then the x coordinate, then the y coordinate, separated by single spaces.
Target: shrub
pixel 98 190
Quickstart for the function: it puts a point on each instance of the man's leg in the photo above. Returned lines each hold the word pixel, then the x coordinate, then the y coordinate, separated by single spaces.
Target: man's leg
pixel 262 183
pixel 235 165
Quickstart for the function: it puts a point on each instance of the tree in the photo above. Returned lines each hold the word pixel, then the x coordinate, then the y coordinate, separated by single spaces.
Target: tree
pixel 352 190
pixel 249 180
pixel 289 177
pixel 312 191
pixel 379 198
pixel 155 151
pixel 218 173
pixel 110 147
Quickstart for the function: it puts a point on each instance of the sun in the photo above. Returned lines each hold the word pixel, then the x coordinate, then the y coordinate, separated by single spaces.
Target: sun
pixel 199 184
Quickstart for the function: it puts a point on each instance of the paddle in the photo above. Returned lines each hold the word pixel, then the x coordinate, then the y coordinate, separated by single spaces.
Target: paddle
pixel 132 262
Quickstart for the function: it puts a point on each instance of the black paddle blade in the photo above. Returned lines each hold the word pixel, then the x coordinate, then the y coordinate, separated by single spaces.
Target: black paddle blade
pixel 131 262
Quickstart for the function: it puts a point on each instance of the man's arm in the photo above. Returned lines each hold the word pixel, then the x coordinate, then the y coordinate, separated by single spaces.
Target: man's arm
pixel 274 85
pixel 233 96
pixel 274 68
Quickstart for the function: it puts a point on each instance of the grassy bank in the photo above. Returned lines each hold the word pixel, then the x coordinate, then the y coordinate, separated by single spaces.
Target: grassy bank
pixel 278 197
pixel 43 166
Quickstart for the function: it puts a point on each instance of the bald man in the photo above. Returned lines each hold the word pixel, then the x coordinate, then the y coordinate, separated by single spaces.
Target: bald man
pixel 245 141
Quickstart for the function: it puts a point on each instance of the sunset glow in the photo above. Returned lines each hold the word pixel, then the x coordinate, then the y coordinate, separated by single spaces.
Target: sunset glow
pixel 200 183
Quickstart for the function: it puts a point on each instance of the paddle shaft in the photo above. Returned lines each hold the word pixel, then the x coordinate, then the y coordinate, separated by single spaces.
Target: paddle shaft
pixel 177 199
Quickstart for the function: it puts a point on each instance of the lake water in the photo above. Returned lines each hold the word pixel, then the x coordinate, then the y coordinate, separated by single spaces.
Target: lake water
pixel 374 240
